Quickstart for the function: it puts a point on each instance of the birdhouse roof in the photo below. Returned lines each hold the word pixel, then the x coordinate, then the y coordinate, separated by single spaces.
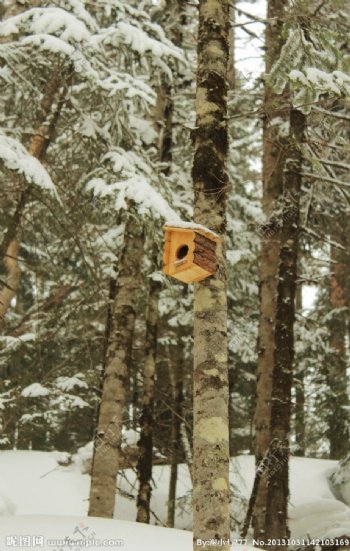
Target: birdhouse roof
pixel 191 226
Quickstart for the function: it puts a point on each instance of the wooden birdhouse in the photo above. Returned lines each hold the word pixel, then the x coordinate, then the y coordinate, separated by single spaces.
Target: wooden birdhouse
pixel 189 252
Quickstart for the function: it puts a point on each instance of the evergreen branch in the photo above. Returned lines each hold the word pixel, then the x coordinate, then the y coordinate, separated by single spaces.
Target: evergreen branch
pixel 328 169
pixel 334 181
pixel 311 232
pixel 337 164
pixel 335 114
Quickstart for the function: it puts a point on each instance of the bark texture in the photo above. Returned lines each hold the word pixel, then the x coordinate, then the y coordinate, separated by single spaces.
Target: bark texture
pixel 9 290
pixel 278 482
pixel 299 385
pixel 176 380
pixel 211 518
pixel 144 465
pixel 338 421
pixel 274 152
pixel 115 382
pixel 174 21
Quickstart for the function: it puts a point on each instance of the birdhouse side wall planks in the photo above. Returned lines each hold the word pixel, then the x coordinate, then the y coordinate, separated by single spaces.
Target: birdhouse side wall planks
pixel 189 253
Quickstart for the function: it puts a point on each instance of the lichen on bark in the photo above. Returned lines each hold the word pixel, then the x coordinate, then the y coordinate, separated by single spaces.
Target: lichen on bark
pixel 211 517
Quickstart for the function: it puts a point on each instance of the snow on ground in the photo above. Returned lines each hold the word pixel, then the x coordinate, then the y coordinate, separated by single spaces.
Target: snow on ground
pixel 34 484
pixel 49 532
pixel 78 533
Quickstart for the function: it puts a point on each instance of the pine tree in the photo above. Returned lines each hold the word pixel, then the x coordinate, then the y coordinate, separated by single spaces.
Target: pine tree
pixel 274 153
pixel 278 477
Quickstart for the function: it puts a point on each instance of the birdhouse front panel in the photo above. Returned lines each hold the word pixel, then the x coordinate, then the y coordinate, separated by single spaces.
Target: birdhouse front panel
pixel 189 254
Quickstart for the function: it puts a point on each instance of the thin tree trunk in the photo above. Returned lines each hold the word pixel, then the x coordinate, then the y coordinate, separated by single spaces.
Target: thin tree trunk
pixel 144 465
pixel 107 440
pixel 231 73
pixel 275 114
pixel 176 379
pixel 278 483
pixel 299 393
pixel 186 446
pixel 338 420
pixel 211 515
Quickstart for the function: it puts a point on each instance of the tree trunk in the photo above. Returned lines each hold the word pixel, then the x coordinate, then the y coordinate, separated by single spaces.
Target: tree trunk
pixel 338 419
pixel 275 114
pixel 107 440
pixel 278 484
pixel 8 292
pixel 176 379
pixel 144 465
pixel 299 393
pixel 187 449
pixel 211 518
pixel 231 73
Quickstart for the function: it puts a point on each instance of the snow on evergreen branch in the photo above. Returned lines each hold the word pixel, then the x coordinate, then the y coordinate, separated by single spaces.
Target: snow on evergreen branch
pixel 149 202
pixel 313 82
pixel 15 157
pixel 291 55
pixel 54 21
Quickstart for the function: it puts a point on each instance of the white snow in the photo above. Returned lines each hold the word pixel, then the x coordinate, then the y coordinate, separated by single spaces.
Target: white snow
pixel 326 517
pixel 234 256
pixel 50 20
pixel 136 188
pixel 16 342
pixel 36 485
pixel 15 157
pixel 140 42
pixel 76 402
pixel 94 533
pixel 339 480
pixel 130 437
pixel 190 226
pixel 35 390
pixel 7 507
pixel 144 129
pixel 149 201
pixel 69 383
pixel 83 458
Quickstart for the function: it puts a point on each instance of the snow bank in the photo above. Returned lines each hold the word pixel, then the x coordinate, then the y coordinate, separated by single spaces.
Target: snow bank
pixel 339 480
pixel 320 519
pixel 36 484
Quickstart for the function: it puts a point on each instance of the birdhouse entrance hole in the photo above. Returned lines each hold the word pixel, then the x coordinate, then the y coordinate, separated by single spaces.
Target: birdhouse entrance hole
pixel 182 252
